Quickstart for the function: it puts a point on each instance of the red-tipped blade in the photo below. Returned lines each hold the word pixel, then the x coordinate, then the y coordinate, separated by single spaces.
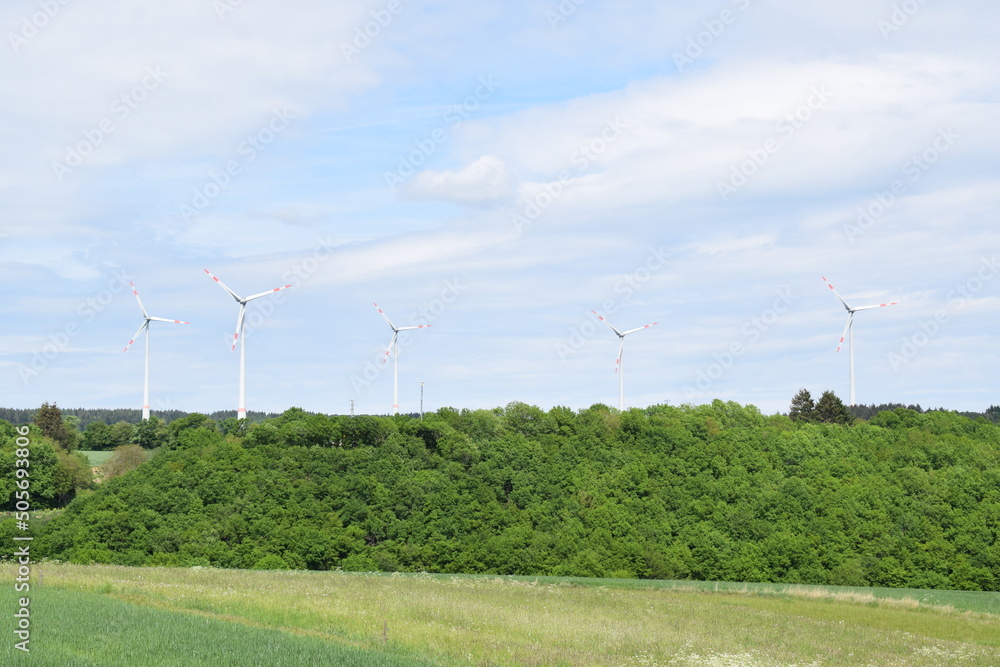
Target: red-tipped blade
pixel 136 336
pixel 850 318
pixel 270 291
pixel 141 307
pixel 385 317
pixel 834 290
pixel 223 286
pixel 610 326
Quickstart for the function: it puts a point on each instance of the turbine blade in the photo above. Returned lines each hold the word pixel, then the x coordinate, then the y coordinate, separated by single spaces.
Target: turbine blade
pixel 385 317
pixel 239 325
pixel 828 284
pixel 850 318
pixel 601 318
pixel 877 305
pixel 160 319
pixel 388 350
pixel 419 326
pixel 136 336
pixel 270 291
pixel 645 326
pixel 621 347
pixel 141 307
pixel 223 286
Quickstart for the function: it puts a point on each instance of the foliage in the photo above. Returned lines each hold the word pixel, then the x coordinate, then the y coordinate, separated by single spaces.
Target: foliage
pixel 192 421
pixel 802 408
pixel 97 437
pixel 151 433
pixel 55 475
pixel 124 459
pixel 49 421
pixel 712 492
pixel 831 410
pixel 88 416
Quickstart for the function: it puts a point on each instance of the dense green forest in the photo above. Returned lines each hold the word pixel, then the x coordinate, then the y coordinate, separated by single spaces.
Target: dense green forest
pixel 714 492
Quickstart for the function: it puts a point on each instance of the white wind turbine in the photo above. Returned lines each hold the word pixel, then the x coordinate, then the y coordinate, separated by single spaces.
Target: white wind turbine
pixel 849 329
pixel 241 410
pixel 618 362
pixel 394 350
pixel 145 328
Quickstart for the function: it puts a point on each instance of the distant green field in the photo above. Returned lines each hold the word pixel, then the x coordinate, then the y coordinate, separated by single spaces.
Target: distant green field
pixel 97 458
pixel 164 616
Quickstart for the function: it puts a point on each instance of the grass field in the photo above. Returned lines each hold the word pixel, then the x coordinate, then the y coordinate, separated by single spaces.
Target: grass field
pixel 162 616
pixel 97 458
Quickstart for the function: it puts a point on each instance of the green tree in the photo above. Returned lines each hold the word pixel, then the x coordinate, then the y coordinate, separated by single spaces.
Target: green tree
pixel 72 424
pixel 98 437
pixel 50 422
pixel 124 459
pixel 802 408
pixel 192 421
pixel 72 473
pixel 151 433
pixel 831 410
pixel 234 426
pixel 122 434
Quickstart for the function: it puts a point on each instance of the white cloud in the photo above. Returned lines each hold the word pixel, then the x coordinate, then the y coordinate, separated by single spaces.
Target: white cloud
pixel 483 181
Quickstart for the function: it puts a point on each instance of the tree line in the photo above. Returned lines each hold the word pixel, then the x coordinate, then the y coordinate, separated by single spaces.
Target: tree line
pixel 711 492
pixel 86 416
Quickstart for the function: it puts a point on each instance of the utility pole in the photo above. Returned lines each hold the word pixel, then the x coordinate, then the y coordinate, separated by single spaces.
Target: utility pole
pixel 421 399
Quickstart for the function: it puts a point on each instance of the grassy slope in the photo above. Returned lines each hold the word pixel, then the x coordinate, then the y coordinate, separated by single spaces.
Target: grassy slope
pixel 493 620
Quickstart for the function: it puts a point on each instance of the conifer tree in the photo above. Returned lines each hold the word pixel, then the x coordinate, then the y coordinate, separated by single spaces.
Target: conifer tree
pixel 830 409
pixel 49 421
pixel 802 408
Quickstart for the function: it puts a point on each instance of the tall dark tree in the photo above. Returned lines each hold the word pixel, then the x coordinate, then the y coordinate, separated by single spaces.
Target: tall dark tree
pixel 992 413
pixel 802 408
pixel 49 421
pixel 830 409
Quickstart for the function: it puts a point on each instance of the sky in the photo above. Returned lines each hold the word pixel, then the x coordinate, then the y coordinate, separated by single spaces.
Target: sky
pixel 499 171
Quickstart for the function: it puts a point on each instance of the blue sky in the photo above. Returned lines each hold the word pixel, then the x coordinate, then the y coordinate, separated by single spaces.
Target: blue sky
pixel 499 170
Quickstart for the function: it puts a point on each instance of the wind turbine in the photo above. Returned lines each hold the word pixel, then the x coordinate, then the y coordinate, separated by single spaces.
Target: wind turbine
pixel 241 410
pixel 849 328
pixel 145 328
pixel 394 350
pixel 618 362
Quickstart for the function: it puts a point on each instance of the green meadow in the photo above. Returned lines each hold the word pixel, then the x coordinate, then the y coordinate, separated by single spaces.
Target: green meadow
pixel 115 615
pixel 97 458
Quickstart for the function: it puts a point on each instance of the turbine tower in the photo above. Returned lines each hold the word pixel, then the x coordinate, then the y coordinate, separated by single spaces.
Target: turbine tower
pixel 849 330
pixel 618 362
pixel 145 328
pixel 241 410
pixel 394 350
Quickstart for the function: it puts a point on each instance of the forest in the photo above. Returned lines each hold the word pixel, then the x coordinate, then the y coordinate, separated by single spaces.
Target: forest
pixel 905 498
